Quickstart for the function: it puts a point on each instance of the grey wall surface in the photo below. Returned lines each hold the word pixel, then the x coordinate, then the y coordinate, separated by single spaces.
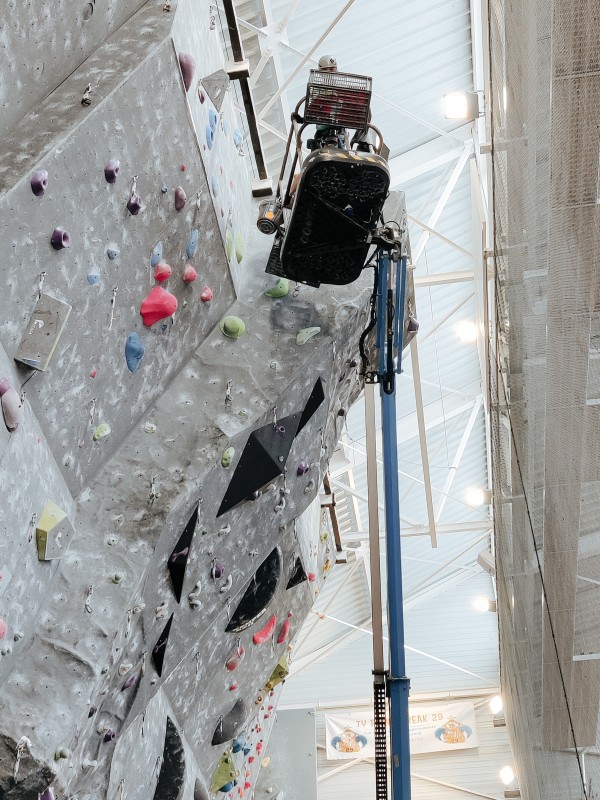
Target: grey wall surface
pixel 77 668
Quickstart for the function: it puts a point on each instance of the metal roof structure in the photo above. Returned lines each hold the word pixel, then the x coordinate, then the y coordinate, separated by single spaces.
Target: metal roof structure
pixel 415 53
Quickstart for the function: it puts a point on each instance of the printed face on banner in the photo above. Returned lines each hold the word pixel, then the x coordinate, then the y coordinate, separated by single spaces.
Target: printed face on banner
pixel 432 728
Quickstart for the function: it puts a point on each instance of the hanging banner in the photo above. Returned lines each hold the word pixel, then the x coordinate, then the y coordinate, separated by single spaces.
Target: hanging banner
pixel 432 728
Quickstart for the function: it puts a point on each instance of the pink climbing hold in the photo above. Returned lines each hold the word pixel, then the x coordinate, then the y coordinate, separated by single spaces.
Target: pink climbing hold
pixel 180 198
pixel 312 576
pixel 162 271
pixel 206 295
pixel 187 66
pixel 285 630
pixel 12 407
pixel 93 373
pixel 262 636
pixel 235 659
pixel 189 274
pixel 2 628
pixel 159 304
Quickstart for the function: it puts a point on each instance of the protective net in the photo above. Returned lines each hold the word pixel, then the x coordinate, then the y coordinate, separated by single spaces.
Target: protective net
pixel 545 387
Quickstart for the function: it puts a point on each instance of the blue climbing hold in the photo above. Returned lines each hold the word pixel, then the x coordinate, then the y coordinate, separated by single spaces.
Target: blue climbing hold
pixel 239 743
pixel 112 253
pixel 93 277
pixel 210 137
pixel 156 255
pixel 212 118
pixel 214 186
pixel 238 139
pixel 164 188
pixel 192 243
pixel 134 351
pixel 225 127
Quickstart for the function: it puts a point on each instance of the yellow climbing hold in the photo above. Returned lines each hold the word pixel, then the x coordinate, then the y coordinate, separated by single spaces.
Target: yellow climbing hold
pixel 53 532
pixel 229 244
pixel 239 247
pixel 279 674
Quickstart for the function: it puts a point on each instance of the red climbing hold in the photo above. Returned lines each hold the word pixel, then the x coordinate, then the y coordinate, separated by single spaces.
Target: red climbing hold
pixel 247 785
pixel 236 658
pixel 187 66
pixel 311 576
pixel 189 274
pixel 233 687
pixel 250 759
pixel 180 198
pixel 2 628
pixel 206 295
pixel 162 271
pixel 93 373
pixel 285 630
pixel 158 305
pixel 183 167
pixel 262 636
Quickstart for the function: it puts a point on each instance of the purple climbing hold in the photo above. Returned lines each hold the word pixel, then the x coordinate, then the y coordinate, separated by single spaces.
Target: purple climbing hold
pixel 187 66
pixel 218 569
pixel 131 681
pixel 60 238
pixel 180 198
pixel 47 794
pixel 39 182
pixel 111 170
pixel 110 735
pixel 413 325
pixel 134 204
pixel 302 468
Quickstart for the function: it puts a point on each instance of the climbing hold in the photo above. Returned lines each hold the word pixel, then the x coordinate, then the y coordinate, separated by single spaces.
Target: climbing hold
pixel 180 198
pixel 239 247
pixel 228 244
pixel 134 204
pixel 265 762
pixel 112 253
pixel 413 325
pixel 212 118
pixel 93 276
pixel 239 743
pixel 206 295
pixel 117 578
pixel 232 327
pixel 307 333
pixel 192 243
pixel 217 569
pixel 109 735
pixel 263 635
pixel 92 711
pixel 210 137
pixel 62 752
pixel 159 304
pixel 233 687
pixel 189 274
pixel 341 412
pixel 131 681
pixel 281 288
pixel 39 182
pixel 2 628
pixel 134 351
pixel 302 468
pixel 285 630
pixel 112 169
pixel 187 66
pixel 247 785
pixel 101 432
pixel 164 188
pixel 47 794
pixel 227 585
pixel 12 407
pixel 227 457
pixel 194 596
pixel 156 254
pixel 238 139
pixel 312 576
pixel 162 271
pixel 60 238
pixel 214 186
pixel 183 167
pixel 53 532
pixel 93 373
pixel 235 658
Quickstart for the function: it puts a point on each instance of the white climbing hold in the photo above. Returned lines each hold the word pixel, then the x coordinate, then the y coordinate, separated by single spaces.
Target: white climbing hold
pixel 227 585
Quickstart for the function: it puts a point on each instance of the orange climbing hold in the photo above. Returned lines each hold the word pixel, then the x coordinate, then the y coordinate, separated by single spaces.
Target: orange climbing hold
pixel 159 304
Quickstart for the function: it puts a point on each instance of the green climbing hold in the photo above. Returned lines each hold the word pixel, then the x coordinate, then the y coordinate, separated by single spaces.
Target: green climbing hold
pixel 306 334
pixel 224 774
pixel 227 457
pixel 229 244
pixel 101 432
pixel 281 288
pixel 239 247
pixel 232 327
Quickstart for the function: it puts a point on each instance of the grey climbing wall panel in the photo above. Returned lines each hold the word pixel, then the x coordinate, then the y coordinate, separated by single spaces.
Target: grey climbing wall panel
pixel 118 670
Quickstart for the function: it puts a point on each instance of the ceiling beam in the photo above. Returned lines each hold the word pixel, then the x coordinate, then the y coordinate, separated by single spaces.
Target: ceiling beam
pixel 414 354
pixel 444 278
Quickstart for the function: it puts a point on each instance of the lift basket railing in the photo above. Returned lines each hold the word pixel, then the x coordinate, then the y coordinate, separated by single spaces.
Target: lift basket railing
pixel 338 99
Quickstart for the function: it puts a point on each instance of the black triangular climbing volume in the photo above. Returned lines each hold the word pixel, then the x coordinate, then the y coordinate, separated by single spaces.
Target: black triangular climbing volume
pixel 298 575
pixel 179 557
pixel 262 460
pixel 215 86
pixel 231 724
pixel 160 648
pixel 258 594
pixel 172 770
pixel 317 396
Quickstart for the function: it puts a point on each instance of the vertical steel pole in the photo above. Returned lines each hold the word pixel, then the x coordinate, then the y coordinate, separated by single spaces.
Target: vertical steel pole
pixel 398 682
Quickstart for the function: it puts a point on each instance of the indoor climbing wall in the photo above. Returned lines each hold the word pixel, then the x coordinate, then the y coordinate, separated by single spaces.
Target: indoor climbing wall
pixel 168 412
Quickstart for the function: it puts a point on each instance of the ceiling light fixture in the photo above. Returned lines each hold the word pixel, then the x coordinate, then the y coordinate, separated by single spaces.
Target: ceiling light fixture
pixel 475 497
pixel 484 604
pixel 461 105
pixel 507 775
pixel 467 331
pixel 496 704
